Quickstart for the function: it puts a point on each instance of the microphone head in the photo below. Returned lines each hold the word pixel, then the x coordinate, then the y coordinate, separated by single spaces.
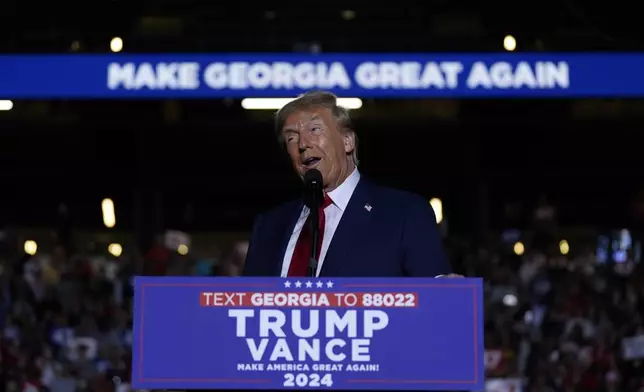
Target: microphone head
pixel 313 178
pixel 313 186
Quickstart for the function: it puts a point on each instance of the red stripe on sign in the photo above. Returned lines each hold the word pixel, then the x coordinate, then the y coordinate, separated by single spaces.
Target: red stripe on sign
pixel 292 299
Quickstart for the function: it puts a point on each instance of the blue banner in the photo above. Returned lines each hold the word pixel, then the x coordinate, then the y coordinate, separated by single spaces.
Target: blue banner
pixel 275 333
pixel 287 75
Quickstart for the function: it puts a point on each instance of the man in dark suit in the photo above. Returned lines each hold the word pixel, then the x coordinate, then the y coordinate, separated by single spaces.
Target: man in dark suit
pixel 365 230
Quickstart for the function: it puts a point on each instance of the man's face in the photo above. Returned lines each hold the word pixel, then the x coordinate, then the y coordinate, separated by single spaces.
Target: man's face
pixel 315 141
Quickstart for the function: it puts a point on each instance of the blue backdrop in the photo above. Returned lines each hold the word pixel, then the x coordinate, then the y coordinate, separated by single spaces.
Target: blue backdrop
pixel 287 75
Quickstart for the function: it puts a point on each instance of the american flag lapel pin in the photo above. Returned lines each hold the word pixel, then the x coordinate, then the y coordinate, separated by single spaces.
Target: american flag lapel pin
pixel 367 207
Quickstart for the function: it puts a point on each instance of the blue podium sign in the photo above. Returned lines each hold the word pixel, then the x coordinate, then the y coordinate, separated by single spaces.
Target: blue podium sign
pixel 326 333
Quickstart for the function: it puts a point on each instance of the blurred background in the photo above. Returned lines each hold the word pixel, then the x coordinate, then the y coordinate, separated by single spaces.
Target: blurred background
pixel 541 197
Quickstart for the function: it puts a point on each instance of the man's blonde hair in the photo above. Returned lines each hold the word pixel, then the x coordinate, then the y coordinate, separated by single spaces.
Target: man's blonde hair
pixel 313 100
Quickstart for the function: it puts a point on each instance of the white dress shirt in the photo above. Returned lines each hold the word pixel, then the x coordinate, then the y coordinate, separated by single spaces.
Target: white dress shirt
pixel 340 197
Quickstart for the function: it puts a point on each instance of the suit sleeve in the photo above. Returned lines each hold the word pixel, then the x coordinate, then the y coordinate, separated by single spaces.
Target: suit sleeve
pixel 424 255
pixel 252 265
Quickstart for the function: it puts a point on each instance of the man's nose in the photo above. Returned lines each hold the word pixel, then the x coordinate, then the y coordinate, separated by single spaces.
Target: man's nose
pixel 304 144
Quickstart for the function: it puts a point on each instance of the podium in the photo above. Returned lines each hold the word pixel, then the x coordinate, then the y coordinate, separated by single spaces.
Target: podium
pixel 301 333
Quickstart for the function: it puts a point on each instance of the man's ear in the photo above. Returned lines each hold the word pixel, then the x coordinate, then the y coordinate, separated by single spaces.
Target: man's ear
pixel 349 142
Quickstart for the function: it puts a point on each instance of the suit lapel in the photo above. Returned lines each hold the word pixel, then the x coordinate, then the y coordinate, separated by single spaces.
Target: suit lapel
pixel 352 228
pixel 284 231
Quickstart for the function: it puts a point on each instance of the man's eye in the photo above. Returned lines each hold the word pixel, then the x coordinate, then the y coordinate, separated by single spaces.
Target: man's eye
pixel 316 129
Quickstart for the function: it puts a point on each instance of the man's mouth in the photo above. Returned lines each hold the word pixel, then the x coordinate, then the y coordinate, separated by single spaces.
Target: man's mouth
pixel 311 162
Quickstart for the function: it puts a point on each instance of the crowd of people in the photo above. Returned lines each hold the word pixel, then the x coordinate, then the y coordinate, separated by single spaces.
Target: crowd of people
pixel 66 319
pixel 559 324
pixel 554 323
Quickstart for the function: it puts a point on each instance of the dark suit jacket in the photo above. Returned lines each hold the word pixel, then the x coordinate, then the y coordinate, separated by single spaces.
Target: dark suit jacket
pixel 397 237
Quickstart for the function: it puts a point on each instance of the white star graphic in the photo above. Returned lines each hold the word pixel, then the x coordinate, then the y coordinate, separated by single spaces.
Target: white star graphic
pixel 298 284
pixel 309 284
pixel 287 284
pixel 319 284
pixel 329 284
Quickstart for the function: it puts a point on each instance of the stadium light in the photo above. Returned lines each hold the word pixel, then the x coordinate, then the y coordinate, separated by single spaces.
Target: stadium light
pixel 6 105
pixel 109 216
pixel 115 249
pixel 182 249
pixel 519 248
pixel 278 103
pixel 31 247
pixel 437 206
pixel 116 44
pixel 509 43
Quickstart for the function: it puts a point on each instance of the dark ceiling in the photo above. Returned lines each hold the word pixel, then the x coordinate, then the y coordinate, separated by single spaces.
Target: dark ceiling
pixel 436 25
pixel 230 167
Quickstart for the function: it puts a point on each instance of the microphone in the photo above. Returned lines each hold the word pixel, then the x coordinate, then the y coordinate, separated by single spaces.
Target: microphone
pixel 313 185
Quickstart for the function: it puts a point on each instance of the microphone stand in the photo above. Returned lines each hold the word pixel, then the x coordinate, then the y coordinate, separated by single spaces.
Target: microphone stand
pixel 316 201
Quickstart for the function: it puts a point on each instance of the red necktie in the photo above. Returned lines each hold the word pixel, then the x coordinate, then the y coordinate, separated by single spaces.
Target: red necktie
pixel 300 261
